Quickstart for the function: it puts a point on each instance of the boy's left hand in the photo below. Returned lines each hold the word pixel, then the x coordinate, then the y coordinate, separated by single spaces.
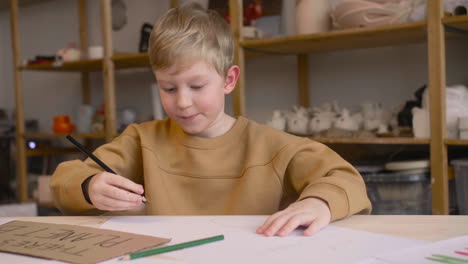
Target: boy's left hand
pixel 311 212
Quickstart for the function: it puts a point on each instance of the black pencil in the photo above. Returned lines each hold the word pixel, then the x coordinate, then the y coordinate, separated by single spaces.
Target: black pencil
pixel 91 155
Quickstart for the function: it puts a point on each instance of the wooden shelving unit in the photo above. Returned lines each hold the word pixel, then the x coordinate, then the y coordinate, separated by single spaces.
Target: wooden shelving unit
pixel 431 32
pixel 111 62
pixel 359 38
pixel 84 66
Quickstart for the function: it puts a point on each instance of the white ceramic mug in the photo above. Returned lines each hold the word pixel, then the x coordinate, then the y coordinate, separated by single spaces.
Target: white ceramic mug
pixel 95 52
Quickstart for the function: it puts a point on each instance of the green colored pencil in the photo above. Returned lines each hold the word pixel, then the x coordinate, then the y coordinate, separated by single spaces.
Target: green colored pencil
pixel 155 251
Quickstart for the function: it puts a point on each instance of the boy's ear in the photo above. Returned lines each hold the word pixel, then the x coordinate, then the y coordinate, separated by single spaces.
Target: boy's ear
pixel 231 79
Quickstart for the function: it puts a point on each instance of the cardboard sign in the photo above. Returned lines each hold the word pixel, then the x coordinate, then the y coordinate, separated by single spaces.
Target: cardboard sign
pixel 71 243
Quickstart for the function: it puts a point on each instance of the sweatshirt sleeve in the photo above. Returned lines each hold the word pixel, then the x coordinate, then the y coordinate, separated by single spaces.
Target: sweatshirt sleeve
pixel 314 170
pixel 122 155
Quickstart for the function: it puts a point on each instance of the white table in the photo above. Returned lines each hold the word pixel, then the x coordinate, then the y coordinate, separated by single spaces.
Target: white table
pixel 241 239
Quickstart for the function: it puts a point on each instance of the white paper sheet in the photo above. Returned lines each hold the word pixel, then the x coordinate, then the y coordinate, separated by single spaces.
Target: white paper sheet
pixel 451 251
pixel 243 245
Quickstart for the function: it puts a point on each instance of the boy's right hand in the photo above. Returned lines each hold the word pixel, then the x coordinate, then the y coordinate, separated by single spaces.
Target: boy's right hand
pixel 111 192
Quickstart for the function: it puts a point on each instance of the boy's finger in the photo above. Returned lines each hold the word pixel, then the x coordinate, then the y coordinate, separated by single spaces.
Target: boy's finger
pixel 110 204
pixel 314 227
pixel 268 222
pixel 294 222
pixel 124 183
pixel 276 225
pixel 122 195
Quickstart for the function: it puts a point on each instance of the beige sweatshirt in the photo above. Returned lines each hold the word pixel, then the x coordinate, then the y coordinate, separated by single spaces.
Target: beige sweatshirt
pixel 251 170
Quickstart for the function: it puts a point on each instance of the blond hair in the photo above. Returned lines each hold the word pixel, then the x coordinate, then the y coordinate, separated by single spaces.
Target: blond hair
pixel 190 31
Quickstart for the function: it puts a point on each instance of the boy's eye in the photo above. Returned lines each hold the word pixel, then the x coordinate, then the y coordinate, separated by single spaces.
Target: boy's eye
pixel 196 87
pixel 169 90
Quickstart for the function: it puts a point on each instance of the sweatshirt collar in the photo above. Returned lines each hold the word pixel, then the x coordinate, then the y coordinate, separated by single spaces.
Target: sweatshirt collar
pixel 231 136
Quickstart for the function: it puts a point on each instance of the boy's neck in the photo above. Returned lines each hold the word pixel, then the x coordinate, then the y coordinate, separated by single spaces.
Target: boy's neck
pixel 219 127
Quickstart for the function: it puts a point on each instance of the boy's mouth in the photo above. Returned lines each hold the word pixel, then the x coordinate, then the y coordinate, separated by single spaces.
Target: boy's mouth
pixel 188 118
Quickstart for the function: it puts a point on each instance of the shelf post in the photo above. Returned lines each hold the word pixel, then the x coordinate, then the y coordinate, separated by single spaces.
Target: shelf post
pixel 21 162
pixel 303 80
pixel 236 14
pixel 108 71
pixel 86 94
pixel 437 83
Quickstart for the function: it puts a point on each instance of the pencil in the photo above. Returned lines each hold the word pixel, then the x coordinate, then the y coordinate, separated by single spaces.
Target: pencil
pixel 91 155
pixel 160 250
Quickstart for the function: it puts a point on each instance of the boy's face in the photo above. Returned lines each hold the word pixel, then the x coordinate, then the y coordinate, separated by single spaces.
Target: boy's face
pixel 194 96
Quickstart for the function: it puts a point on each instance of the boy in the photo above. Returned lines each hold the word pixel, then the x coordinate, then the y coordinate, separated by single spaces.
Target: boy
pixel 201 161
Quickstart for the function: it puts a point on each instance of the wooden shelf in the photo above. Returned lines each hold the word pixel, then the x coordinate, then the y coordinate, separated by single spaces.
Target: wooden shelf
pixel 74 66
pixel 127 61
pixel 388 141
pixel 456 142
pixel 50 151
pixel 52 135
pixel 460 22
pixel 406 33
pixel 122 61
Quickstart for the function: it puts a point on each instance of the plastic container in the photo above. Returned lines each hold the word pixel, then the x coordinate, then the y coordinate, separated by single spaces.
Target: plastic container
pixel 403 192
pixel 461 181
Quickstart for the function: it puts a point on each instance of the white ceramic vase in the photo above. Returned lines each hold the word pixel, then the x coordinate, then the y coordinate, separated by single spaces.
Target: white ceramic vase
pixel 288 17
pixel 312 16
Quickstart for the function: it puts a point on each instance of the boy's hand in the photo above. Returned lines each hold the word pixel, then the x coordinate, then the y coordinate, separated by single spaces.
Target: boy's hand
pixel 113 192
pixel 311 212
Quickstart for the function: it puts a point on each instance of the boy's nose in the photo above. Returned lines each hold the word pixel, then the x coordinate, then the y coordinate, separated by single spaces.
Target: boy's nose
pixel 184 100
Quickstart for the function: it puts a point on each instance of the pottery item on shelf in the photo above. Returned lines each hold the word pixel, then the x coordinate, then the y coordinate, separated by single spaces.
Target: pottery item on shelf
pixel 127 116
pixel 345 121
pixel 95 52
pixel 288 18
pixel 70 53
pixel 62 125
pixel 320 123
pixel 421 125
pixel 145 33
pixel 367 13
pixel 278 121
pixel 374 116
pixel 85 118
pixel 99 118
pixel 408 165
pixel 312 16
pixel 456 97
pixel 463 127
pixel 297 121
pixel 463 122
